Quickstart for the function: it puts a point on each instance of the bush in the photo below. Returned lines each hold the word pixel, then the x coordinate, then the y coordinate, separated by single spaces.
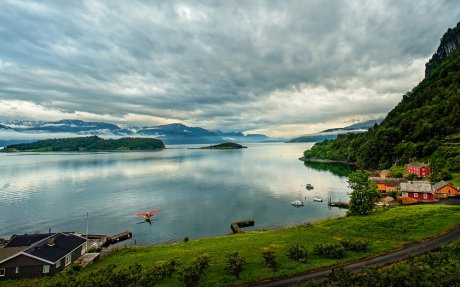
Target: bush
pixel 332 250
pixel 186 239
pixel 298 253
pixel 270 259
pixel 191 274
pixel 355 245
pixel 235 264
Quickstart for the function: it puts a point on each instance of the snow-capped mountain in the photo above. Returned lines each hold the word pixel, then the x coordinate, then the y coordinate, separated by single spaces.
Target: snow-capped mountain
pixel 19 131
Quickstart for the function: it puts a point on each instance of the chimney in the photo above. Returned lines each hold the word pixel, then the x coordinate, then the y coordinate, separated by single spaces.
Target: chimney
pixel 51 241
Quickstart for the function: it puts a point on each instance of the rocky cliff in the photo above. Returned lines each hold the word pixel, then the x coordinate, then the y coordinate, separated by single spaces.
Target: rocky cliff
pixel 449 42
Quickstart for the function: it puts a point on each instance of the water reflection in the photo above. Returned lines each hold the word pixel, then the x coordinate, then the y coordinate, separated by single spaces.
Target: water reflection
pixel 199 192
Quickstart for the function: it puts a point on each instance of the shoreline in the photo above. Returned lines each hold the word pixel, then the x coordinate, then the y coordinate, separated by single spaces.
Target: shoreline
pixel 327 161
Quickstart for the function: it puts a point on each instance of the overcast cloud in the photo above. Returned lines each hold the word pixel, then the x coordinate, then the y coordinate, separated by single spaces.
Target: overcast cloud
pixel 279 67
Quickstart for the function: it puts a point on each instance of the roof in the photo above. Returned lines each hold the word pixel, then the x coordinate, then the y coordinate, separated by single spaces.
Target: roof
pixel 10 251
pixel 417 164
pixel 441 184
pixel 388 181
pixel 63 245
pixel 416 186
pixel 26 239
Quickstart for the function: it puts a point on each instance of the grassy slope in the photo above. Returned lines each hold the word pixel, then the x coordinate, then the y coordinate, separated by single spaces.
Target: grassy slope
pixel 387 229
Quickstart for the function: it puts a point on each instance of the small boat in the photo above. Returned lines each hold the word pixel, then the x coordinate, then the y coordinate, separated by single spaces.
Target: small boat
pixel 297 203
pixel 309 186
pixel 317 199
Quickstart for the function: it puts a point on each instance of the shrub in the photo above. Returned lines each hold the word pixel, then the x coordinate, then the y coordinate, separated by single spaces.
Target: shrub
pixel 186 239
pixel 191 274
pixel 298 253
pixel 235 264
pixel 355 245
pixel 270 259
pixel 333 250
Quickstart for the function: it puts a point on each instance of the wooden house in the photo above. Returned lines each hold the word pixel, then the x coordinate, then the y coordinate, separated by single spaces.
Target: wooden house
pixel 49 255
pixel 418 190
pixel 387 184
pixel 419 169
pixel 443 189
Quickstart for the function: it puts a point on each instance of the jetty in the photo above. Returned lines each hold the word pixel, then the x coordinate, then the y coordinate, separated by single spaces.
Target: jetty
pixel 236 226
pixel 117 238
pixel 339 204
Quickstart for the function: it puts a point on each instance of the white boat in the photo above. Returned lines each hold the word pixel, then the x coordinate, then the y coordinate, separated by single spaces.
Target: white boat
pixel 297 203
pixel 317 199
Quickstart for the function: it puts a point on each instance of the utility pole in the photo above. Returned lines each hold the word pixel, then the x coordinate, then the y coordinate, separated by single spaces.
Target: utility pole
pixel 87 228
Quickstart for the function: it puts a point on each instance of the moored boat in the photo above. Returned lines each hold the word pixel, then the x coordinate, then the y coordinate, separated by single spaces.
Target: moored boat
pixel 297 203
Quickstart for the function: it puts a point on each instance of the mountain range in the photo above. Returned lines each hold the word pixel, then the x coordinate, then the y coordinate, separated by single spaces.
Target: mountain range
pixel 330 134
pixel 19 131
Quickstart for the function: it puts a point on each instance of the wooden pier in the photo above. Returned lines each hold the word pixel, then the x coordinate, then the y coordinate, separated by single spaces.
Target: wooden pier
pixel 118 238
pixel 339 204
pixel 236 226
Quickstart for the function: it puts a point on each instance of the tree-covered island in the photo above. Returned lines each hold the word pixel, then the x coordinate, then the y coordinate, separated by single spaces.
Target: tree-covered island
pixel 227 145
pixel 91 143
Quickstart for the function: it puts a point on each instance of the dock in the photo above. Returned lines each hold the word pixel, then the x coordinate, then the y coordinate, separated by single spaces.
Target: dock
pixel 236 226
pixel 339 204
pixel 117 238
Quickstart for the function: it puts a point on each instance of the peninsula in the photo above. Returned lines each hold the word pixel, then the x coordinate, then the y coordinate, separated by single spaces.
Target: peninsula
pixel 90 144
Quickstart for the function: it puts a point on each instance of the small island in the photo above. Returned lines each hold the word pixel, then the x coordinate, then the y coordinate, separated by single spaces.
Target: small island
pixel 227 145
pixel 88 144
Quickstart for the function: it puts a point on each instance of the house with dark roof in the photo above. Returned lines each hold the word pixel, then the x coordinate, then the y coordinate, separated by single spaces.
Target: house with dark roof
pixel 443 189
pixel 419 169
pixel 387 184
pixel 26 239
pixel 46 256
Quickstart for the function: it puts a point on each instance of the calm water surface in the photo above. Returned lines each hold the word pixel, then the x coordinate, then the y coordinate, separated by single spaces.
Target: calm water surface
pixel 199 192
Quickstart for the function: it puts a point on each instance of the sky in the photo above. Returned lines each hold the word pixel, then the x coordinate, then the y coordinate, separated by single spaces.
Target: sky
pixel 282 68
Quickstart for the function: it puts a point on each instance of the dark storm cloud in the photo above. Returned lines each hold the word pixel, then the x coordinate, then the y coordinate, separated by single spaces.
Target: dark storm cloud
pixel 235 65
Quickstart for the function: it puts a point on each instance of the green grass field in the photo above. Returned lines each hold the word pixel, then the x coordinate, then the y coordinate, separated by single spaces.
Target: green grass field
pixel 386 229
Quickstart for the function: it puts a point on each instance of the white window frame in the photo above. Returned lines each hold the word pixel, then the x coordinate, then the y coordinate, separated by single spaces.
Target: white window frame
pixel 2 272
pixel 58 263
pixel 46 269
pixel 68 259
pixel 425 196
pixel 16 270
pixel 416 194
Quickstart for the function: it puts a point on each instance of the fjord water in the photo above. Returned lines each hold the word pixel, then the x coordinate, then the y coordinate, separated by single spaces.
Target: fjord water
pixel 199 192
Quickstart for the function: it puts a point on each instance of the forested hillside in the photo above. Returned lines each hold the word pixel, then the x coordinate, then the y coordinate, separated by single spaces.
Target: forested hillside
pixel 424 125
pixel 93 143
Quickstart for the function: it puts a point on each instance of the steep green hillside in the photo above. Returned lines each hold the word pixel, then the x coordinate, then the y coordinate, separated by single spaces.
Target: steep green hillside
pixel 422 126
pixel 92 143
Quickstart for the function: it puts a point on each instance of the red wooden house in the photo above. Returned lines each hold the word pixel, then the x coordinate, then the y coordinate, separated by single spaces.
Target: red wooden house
pixel 418 190
pixel 419 169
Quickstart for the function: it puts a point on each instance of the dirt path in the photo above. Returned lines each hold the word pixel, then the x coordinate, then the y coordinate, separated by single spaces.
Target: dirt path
pixel 413 249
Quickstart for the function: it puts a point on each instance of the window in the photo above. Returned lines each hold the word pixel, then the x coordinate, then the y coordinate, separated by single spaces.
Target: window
pixel 16 270
pixel 2 272
pixel 68 259
pixel 415 194
pixel 58 263
pixel 404 194
pixel 425 196
pixel 46 269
